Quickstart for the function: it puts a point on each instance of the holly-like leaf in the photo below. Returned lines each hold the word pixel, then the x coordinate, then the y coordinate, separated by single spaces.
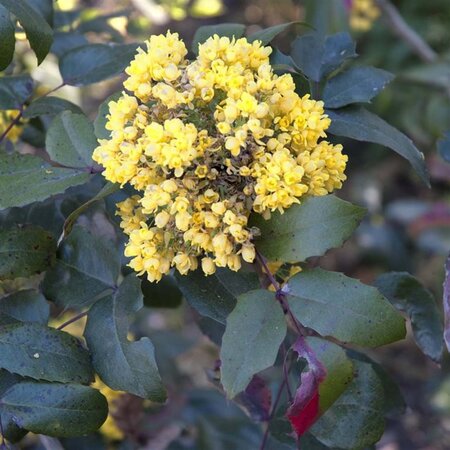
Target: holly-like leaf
pixel 308 229
pixel 64 41
pixel 317 56
pixel 355 420
pixel 121 364
pixel 100 121
pixel 92 63
pixel 215 296
pixel 53 409
pixel 7 38
pixel 444 147
pixel 447 303
pixel 357 123
pixel 164 294
pixel 258 321
pixel 407 294
pixel 355 85
pixel 70 140
pixel 344 308
pixel 50 106
pixel 25 251
pixel 230 30
pixel 25 179
pixel 36 351
pixel 25 306
pixel 38 31
pixel 14 91
pixel 87 267
pixel 267 35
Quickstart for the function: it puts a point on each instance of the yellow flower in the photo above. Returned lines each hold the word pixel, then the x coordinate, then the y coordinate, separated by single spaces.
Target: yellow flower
pixel 205 143
pixel 362 14
pixel 6 117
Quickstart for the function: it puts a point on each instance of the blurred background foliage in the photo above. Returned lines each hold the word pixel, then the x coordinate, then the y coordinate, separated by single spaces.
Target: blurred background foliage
pixel 407 229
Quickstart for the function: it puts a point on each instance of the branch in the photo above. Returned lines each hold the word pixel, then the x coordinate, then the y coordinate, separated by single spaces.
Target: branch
pixel 399 26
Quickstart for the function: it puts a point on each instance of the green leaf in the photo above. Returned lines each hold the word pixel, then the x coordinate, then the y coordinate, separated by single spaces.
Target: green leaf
pixel 70 140
pixel 44 8
pixel 255 330
pixel 38 31
pixel 164 294
pixel 267 35
pixel 50 106
pixel 26 306
pixel 358 123
pixel 444 147
pixel 407 294
pixel 95 62
pixel 64 41
pixel 61 410
pixel 108 189
pixel 36 351
pixel 317 56
pixel 26 179
pixel 326 16
pixel 214 296
pixel 7 39
pixel 25 251
pixel 100 121
pixel 87 267
pixel 356 85
pixel 14 91
pixel 339 370
pixel 230 30
pixel 308 229
pixel 355 421
pixel 121 364
pixel 344 308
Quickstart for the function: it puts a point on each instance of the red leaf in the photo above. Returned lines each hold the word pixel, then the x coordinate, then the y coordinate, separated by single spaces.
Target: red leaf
pixel 305 410
pixel 447 303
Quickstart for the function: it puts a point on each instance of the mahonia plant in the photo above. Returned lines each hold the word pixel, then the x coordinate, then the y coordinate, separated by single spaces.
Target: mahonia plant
pixel 205 143
pixel 208 177
pixel 363 13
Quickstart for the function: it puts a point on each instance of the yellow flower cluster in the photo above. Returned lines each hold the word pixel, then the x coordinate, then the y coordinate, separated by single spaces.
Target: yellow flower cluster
pixel 205 143
pixel 6 117
pixel 362 14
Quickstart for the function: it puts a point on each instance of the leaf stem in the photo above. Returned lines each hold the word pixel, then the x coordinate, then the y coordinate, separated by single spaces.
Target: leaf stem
pixel 72 320
pixel 14 122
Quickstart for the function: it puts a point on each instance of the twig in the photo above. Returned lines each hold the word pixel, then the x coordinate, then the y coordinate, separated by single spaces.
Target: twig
pixel 399 26
pixel 72 320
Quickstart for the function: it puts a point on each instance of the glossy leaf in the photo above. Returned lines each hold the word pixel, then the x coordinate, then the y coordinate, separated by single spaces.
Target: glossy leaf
pixel 70 140
pixel 358 123
pixel 87 267
pixel 25 179
pixel 356 418
pixel 14 90
pixel 308 229
pixel 92 63
pixel 444 147
pixel 230 30
pixel 344 308
pixel 64 41
pixel 407 294
pixel 355 85
pixel 55 409
pixel 26 306
pixel 36 351
pixel 100 121
pixel 257 320
pixel 121 364
pixel 267 35
pixel 50 106
pixel 38 31
pixel 215 296
pixel 317 56
pixel 7 38
pixel 25 251
pixel 164 294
